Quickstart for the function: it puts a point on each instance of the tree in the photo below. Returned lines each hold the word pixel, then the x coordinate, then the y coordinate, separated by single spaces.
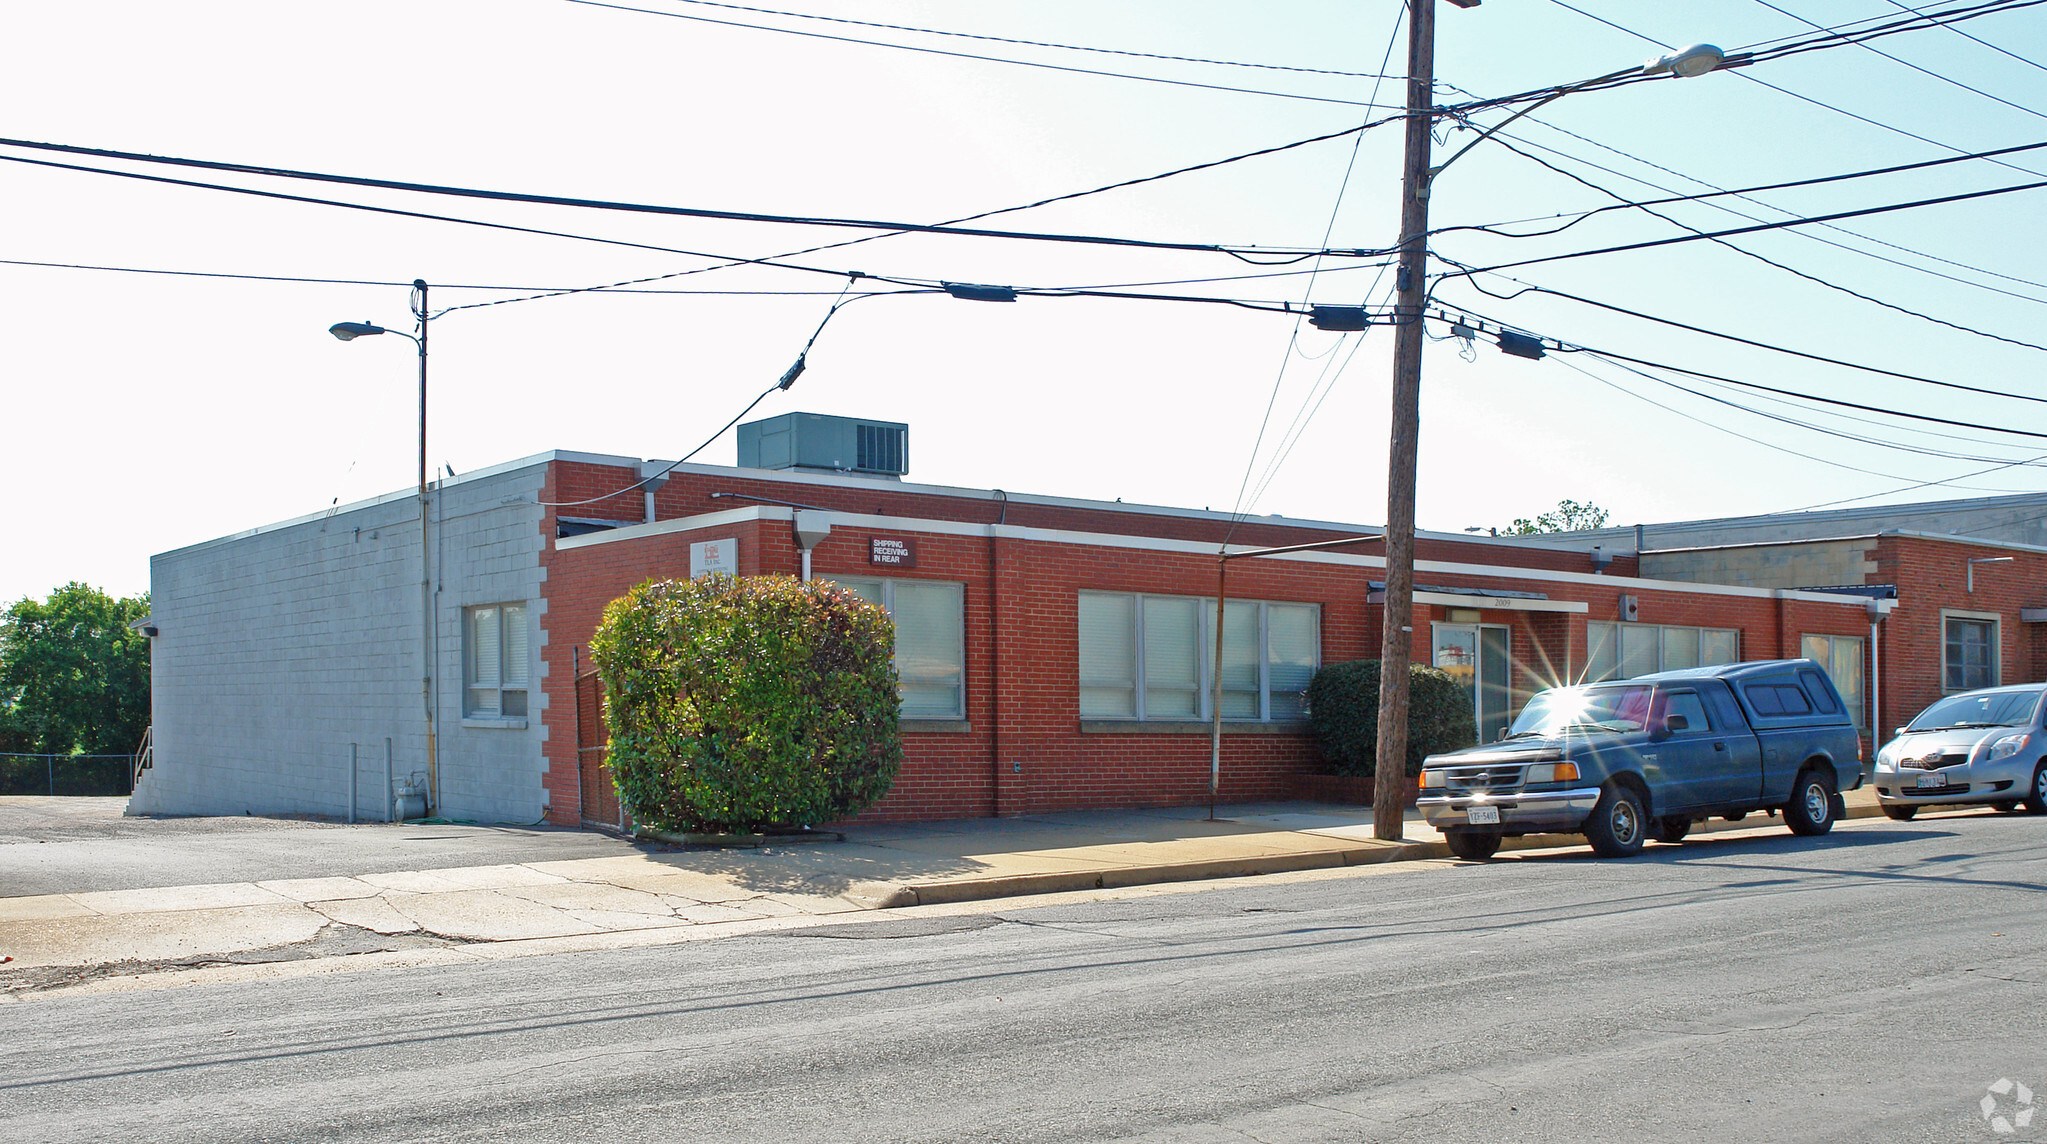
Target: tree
pixel 740 703
pixel 74 677
pixel 1568 516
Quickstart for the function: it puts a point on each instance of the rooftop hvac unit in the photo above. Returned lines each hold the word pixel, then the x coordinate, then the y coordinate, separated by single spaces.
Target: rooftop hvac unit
pixel 820 443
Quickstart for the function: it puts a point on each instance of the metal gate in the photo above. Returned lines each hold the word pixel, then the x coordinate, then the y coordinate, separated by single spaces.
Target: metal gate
pixel 601 809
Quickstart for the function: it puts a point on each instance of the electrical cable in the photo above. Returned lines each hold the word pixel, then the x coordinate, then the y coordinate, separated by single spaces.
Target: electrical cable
pixel 1813 278
pixel 1934 21
pixel 1241 508
pixel 969 55
pixel 1978 39
pixel 1502 138
pixel 1299 254
pixel 313 281
pixel 1800 454
pixel 1915 67
pixel 1880 371
pixel 1036 43
pixel 1261 152
pixel 784 382
pixel 1805 221
pixel 1743 192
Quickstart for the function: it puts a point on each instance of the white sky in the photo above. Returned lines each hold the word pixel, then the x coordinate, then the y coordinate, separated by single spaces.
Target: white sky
pixel 145 413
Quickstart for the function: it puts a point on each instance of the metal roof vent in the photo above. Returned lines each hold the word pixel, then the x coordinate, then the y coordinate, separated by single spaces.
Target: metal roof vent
pixel 821 443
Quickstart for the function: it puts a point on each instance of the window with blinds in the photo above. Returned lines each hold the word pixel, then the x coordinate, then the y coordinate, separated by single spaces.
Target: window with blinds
pixel 495 654
pixel 1624 651
pixel 930 620
pixel 1153 657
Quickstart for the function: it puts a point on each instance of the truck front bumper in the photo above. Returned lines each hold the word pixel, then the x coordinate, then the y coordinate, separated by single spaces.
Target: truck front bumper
pixel 1521 812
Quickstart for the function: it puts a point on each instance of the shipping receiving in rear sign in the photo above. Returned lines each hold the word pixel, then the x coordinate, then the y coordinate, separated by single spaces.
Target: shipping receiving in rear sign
pixel 892 552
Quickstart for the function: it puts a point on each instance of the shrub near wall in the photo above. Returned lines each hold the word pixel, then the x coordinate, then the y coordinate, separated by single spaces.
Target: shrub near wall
pixel 1343 708
pixel 739 704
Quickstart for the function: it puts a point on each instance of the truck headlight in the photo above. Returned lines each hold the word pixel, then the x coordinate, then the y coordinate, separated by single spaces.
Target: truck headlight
pixel 2009 745
pixel 1431 779
pixel 1553 773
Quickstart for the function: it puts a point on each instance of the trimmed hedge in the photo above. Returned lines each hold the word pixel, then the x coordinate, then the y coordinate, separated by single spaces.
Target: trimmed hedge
pixel 1343 707
pixel 736 704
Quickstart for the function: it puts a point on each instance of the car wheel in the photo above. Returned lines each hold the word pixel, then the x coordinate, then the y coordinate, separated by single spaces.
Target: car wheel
pixel 1473 845
pixel 1671 828
pixel 1617 828
pixel 2036 798
pixel 1900 813
pixel 1811 809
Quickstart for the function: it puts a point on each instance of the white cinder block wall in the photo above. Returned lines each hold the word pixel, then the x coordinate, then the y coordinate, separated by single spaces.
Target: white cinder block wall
pixel 279 647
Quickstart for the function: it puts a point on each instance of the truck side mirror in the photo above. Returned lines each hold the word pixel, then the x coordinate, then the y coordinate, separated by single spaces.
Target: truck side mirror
pixel 1675 723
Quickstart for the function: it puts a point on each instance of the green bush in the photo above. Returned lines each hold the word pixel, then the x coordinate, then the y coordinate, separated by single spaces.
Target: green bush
pixel 1343 707
pixel 738 704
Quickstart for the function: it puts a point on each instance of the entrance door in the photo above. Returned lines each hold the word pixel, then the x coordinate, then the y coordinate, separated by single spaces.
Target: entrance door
pixel 1478 657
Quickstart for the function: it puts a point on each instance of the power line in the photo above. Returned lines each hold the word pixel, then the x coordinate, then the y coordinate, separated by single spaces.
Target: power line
pixel 1767 345
pixel 1035 43
pixel 1978 39
pixel 1619 198
pixel 655 209
pixel 1744 192
pixel 1119 185
pixel 970 55
pixel 315 281
pixel 1806 221
pixel 1242 506
pixel 1794 271
pixel 1915 67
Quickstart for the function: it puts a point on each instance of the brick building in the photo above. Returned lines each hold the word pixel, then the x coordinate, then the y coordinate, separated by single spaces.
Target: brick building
pixel 1055 653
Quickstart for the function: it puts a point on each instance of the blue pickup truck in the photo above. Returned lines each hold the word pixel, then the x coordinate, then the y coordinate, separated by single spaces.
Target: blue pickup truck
pixel 1628 760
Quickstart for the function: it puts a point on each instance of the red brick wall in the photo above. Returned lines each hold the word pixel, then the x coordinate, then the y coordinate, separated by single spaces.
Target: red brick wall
pixel 1023 747
pixel 1933 575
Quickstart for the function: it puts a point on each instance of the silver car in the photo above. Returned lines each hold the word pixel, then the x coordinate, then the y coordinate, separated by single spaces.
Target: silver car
pixel 1979 747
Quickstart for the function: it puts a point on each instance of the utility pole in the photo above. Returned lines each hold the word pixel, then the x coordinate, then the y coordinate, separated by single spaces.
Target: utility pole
pixel 1396 642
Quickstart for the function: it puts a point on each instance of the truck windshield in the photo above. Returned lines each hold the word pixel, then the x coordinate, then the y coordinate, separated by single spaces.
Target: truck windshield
pixel 1617 708
pixel 1979 709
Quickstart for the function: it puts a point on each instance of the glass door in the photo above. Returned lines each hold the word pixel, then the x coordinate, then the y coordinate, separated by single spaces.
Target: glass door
pixel 1478 657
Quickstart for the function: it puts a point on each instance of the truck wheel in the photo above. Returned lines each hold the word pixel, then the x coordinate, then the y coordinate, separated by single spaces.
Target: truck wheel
pixel 1671 828
pixel 2036 797
pixel 1811 809
pixel 1616 828
pixel 1898 813
pixel 1473 845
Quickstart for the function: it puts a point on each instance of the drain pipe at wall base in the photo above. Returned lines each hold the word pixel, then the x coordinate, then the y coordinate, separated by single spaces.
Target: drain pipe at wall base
pixel 995 664
pixel 1878 611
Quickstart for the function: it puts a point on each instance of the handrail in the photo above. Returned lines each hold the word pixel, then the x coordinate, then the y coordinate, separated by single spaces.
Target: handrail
pixel 145 757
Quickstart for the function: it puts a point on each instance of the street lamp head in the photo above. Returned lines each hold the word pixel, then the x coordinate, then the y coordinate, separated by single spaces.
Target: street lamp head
pixel 349 331
pixel 1686 62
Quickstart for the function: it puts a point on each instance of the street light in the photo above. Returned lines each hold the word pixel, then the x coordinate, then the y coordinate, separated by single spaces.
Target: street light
pixel 1397 614
pixel 348 332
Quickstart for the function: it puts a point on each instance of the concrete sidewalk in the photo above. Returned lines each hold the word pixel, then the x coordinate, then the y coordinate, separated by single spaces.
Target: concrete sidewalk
pixel 649 894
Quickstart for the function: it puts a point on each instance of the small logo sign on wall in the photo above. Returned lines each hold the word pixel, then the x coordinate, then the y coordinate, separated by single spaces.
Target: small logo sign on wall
pixel 892 552
pixel 708 556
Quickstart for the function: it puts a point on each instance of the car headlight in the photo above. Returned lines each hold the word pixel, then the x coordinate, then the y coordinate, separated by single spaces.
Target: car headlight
pixel 2009 745
pixel 1887 757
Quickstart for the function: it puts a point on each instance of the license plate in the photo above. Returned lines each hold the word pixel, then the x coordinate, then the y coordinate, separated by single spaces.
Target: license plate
pixel 1483 816
pixel 1933 780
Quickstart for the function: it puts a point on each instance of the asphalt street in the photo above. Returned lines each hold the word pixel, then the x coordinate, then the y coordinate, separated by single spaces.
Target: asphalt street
pixel 1871 985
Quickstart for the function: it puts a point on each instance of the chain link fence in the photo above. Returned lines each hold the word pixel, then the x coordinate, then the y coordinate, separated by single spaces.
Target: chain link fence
pixel 77 775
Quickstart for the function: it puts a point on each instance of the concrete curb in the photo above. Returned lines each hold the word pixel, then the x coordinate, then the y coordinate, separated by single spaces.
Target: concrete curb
pixel 1374 853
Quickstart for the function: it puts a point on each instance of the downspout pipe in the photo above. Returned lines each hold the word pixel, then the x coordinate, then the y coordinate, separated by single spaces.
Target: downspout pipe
pixel 811 527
